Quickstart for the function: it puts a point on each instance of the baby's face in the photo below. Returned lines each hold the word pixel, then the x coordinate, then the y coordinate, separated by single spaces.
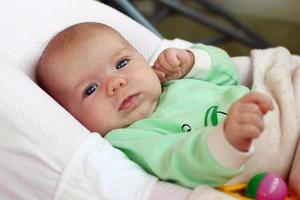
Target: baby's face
pixel 106 84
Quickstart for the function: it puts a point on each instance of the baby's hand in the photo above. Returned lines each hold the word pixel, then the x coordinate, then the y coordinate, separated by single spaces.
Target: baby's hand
pixel 173 63
pixel 245 119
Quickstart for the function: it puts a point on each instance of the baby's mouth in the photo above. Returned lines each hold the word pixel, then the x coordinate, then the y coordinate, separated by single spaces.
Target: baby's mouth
pixel 129 103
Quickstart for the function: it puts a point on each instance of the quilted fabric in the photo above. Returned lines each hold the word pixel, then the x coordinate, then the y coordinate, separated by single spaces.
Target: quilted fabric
pixel 45 153
pixel 38 138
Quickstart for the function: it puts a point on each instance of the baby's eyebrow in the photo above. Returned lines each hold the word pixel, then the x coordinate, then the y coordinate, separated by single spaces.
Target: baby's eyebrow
pixel 120 52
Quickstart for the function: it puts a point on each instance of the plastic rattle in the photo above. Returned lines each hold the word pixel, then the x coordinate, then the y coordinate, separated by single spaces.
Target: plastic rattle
pixel 267 186
pixel 263 186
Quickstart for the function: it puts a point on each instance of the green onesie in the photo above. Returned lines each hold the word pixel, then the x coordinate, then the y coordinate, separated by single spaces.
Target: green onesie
pixel 172 142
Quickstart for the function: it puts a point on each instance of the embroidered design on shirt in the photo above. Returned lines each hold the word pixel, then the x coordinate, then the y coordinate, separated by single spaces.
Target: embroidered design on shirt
pixel 211 115
pixel 186 128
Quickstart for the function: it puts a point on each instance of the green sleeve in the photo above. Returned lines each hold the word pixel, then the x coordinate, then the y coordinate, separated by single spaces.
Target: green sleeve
pixel 223 70
pixel 182 158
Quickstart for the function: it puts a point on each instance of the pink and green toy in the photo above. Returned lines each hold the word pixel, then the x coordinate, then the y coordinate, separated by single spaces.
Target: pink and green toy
pixel 267 186
pixel 263 186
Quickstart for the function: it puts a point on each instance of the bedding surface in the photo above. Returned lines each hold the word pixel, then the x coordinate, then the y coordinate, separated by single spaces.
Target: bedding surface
pixel 48 154
pixel 276 73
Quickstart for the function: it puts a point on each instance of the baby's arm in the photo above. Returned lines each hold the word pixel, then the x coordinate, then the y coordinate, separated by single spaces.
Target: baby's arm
pixel 173 63
pixel 245 120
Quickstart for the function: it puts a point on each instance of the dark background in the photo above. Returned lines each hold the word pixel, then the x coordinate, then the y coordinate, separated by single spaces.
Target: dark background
pixel 275 31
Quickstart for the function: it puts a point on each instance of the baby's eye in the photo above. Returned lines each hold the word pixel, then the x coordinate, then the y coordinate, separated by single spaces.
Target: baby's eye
pixel 90 89
pixel 122 63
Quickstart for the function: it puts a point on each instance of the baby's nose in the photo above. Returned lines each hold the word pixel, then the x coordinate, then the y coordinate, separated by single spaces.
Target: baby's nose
pixel 114 84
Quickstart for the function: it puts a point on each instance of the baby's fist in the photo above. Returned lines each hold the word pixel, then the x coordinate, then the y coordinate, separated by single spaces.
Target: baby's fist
pixel 245 119
pixel 173 63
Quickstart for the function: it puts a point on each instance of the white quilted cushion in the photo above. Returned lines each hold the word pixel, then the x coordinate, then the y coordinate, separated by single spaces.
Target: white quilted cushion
pixel 26 27
pixel 44 152
pixel 43 149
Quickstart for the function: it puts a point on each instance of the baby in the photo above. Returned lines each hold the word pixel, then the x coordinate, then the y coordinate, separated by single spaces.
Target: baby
pixel 186 119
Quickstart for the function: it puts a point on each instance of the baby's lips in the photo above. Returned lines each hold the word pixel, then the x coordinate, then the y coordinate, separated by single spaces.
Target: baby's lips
pixel 128 101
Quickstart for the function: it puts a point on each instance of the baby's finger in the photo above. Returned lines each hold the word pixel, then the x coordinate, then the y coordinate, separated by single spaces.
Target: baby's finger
pixel 252 119
pixel 172 59
pixel 250 108
pixel 160 74
pixel 264 102
pixel 164 64
pixel 186 58
pixel 250 131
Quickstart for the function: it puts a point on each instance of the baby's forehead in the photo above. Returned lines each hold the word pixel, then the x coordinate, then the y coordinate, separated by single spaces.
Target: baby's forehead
pixel 103 40
pixel 85 31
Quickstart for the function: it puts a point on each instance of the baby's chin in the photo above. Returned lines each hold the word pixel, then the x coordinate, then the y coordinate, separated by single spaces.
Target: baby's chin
pixel 104 132
pixel 129 121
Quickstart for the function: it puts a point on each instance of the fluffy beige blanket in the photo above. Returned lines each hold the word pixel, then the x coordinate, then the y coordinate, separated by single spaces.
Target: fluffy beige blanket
pixel 276 73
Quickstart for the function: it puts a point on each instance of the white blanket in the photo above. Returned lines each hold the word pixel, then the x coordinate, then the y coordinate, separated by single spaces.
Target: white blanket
pixel 276 73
